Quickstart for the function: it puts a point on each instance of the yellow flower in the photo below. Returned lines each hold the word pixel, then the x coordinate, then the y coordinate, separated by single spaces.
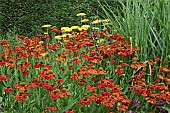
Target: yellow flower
pixel 96 21
pixel 66 41
pixel 41 42
pixel 63 35
pixel 45 33
pixel 95 28
pixel 100 40
pixel 58 37
pixel 46 26
pixel 75 27
pixel 105 20
pixel 85 27
pixel 44 54
pixel 81 14
pixel 66 29
pixel 85 20
pixel 80 29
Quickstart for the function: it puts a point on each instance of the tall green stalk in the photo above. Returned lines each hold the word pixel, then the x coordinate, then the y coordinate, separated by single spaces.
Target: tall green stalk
pixel 146 21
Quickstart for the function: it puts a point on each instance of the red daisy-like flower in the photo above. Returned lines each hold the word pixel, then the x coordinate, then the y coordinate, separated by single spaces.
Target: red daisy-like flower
pixel 91 88
pixel 85 101
pixel 70 111
pixel 8 90
pixel 3 77
pixel 4 43
pixel 54 109
pixel 60 80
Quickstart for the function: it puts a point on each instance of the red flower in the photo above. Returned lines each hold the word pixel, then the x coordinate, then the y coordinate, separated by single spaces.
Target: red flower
pixel 25 73
pixel 113 61
pixel 21 37
pixel 85 101
pixel 60 80
pixel 109 102
pixel 48 66
pixel 122 107
pixel 157 59
pixel 119 70
pixel 81 84
pixel 3 77
pixel 46 37
pixel 53 29
pixel 37 65
pixel 91 88
pixel 94 78
pixel 123 54
pixel 124 64
pixel 4 43
pixel 100 71
pixel 74 76
pixel 21 96
pixel 31 85
pixel 54 109
pixel 8 90
pixel 70 111
pixel 76 60
pixel 56 94
pixel 70 68
pixel 2 63
pixel 25 54
pixel 110 112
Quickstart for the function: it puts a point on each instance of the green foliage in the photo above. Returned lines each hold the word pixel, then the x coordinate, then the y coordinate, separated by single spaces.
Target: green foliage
pixel 27 16
pixel 146 21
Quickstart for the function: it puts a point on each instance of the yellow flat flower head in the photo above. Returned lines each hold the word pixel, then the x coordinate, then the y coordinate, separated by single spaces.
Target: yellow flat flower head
pixel 75 27
pixel 85 20
pixel 44 54
pixel 81 14
pixel 105 20
pixel 46 26
pixel 58 37
pixel 85 26
pixel 45 33
pixel 66 29
pixel 96 21
pixel 66 41
pixel 95 28
pixel 100 40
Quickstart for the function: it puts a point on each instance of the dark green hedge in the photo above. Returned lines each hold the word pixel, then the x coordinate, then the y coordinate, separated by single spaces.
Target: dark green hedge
pixel 27 16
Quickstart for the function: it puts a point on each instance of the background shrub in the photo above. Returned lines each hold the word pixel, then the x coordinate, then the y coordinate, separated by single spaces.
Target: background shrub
pixel 27 16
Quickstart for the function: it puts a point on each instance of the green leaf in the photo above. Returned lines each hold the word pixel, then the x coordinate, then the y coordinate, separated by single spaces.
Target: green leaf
pixel 166 108
pixel 0 99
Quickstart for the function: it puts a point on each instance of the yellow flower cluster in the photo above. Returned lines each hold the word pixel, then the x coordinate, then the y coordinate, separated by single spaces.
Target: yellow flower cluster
pixel 75 27
pixel 100 40
pixel 66 29
pixel 85 27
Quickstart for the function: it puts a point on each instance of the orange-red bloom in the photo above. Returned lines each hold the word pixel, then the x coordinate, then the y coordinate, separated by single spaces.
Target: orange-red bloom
pixel 8 90
pixel 91 88
pixel 21 96
pixel 60 80
pixel 54 109
pixel 3 77
pixel 4 43
pixel 85 101
pixel 122 107
pixel 70 111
